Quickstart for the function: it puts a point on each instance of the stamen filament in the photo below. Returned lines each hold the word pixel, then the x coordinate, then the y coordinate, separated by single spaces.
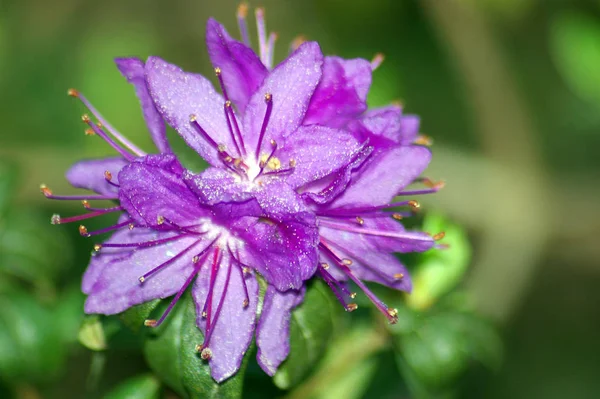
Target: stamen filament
pixel 109 140
pixel 107 229
pixel 242 12
pixel 362 230
pixel 210 330
pixel 56 219
pixel 194 122
pixel 263 129
pixel 207 309
pixel 145 244
pixel 261 26
pixel 270 50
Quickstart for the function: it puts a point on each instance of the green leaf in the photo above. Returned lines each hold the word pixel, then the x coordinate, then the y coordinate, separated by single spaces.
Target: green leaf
pixel 170 351
pixel 575 46
pixel 439 270
pixel 91 334
pixel 135 316
pixel 140 387
pixel 312 327
pixel 8 182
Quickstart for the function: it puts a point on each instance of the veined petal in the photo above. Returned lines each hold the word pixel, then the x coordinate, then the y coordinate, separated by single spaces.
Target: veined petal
pixel 241 69
pixel 273 331
pixel 215 185
pixel 342 92
pixel 152 187
pixel 317 152
pixel 233 327
pixel 133 70
pixel 90 174
pixel 178 95
pixel 384 175
pixel 291 85
pixel 112 280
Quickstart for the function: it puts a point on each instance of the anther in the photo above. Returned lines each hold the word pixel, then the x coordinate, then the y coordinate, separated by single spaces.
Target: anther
pixel 99 124
pixel 45 190
pixel 107 175
pixel 141 279
pixel 218 71
pixel 55 219
pixel 353 295
pixel 150 323
pixel 131 226
pixel 221 148
pixel 351 307
pixel 73 93
pixel 297 42
pixel 414 205
pixel 245 303
pixel 160 220
pixel 83 231
pixel 204 315
pixel 392 312
pixel 398 276
pixel 85 118
pixel 324 265
pixel 268 97
pixel 89 132
pixel 193 118
pixel 274 163
pixel 439 236
pixel 228 104
pixel 86 204
pixel 377 60
pixel 292 163
pixel 195 259
pixel 423 140
pixel 397 216
pixel 206 354
pixel 245 269
pixel 347 261
pixel 360 220
pixel 242 10
pixel 97 247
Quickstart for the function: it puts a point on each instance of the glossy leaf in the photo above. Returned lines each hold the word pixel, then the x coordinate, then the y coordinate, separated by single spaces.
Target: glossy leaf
pixel 135 316
pixel 312 327
pixel 140 387
pixel 91 334
pixel 170 351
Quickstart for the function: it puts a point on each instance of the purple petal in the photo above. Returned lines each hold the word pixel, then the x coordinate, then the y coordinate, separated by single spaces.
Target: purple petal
pixel 215 185
pixel 241 69
pixel 387 122
pixel 384 175
pixel 133 70
pixel 90 174
pixel 317 152
pixel 153 187
pixel 234 325
pixel 409 129
pixel 112 279
pixel 178 95
pixel 273 331
pixel 291 85
pixel 342 92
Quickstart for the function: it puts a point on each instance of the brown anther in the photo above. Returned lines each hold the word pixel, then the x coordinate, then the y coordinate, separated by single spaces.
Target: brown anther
pixel 45 190
pixel 86 204
pixel 73 93
pixel 439 236
pixel 204 315
pixel 89 132
pixel 221 148
pixel 198 347
pixel 83 231
pixel 274 163
pixel 97 247
pixel 150 323
pixel 347 261
pixel 228 104
pixel 392 312
pixel 353 295
pixel 351 307
pixel 268 97
pixel 218 71
pixel 397 216
pixel 273 143
pixel 292 163
pixel 360 220
pixel 297 42
pixel 142 279
pixel 85 118
pixel 414 205
pixel 228 159
pixel 99 124
pixel 325 265
pixel 237 162
pixel 245 269
pixel 107 175
pixel 377 60
pixel 160 220
pixel 242 10
pixel 193 118
pixel 398 103
pixel 131 226
pixel 195 259
pixel 245 303
pixel 398 276
pixel 206 354
pixel 423 140
pixel 55 219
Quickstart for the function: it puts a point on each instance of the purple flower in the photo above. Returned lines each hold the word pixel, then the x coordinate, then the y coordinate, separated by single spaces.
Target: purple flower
pixel 301 180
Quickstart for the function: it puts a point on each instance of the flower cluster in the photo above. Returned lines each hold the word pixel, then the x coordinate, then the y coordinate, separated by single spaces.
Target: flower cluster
pixel 301 184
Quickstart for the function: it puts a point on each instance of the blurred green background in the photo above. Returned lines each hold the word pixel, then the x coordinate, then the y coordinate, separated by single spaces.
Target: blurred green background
pixel 508 89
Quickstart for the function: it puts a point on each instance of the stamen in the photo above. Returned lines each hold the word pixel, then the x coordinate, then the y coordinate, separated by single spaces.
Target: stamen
pixel 270 50
pixel 280 172
pixel 261 26
pixel 213 276
pixel 203 132
pixel 423 140
pixel 349 228
pixel 209 330
pixel 57 219
pixel 439 236
pixel 246 301
pixel 48 194
pixel 377 60
pixel 83 231
pixel 146 244
pixel 399 276
pixel 353 211
pixel 229 117
pixel 98 130
pixel 242 13
pixel 106 229
pixel 114 132
pixel 103 210
pixel 263 129
pixel 333 285
pixel 108 178
pixel 297 42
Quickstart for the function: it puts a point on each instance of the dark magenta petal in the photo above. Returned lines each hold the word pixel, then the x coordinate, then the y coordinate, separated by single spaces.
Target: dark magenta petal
pixel 178 95
pixel 342 92
pixel 317 152
pixel 384 175
pixel 233 328
pixel 152 187
pixel 273 330
pixel 133 70
pixel 291 85
pixel 90 174
pixel 241 69
pixel 112 279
